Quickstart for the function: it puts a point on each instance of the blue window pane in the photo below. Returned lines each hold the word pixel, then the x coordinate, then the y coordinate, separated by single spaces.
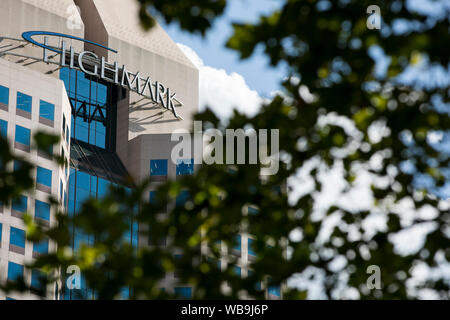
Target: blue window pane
pixel 237 245
pixel 83 180
pixel 42 210
pixel 37 278
pixel 4 128
pixel 15 271
pixel 64 76
pixel 18 165
pixel 44 177
pixel 152 197
pixel 253 210
pixel 237 270
pixel 158 167
pixel 184 292
pixel 103 187
pixel 1 231
pixel 258 284
pixel 251 249
pixel 47 110
pixel 23 135
pixel 4 95
pixel 125 293
pixel 20 204
pixel 41 247
pixel 185 166
pixel 182 198
pixel 24 102
pixel 274 290
pixel 17 237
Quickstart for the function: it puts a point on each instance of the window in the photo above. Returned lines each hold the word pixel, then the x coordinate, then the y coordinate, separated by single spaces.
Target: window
pixel 23 136
pixel 46 110
pixel 37 279
pixel 41 247
pixel 158 167
pixel 237 245
pixel 274 290
pixel 15 271
pixel 185 167
pixel 184 292
pixel 42 210
pixel 251 250
pixel 4 128
pixel 23 102
pixel 253 210
pixel 44 177
pixel 217 262
pixel 1 229
pixel 258 284
pixel 17 237
pixel 152 197
pixel 4 95
pixel 20 204
pixel 182 198
pixel 237 270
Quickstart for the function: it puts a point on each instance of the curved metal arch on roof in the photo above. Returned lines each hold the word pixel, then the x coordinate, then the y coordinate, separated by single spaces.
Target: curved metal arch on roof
pixel 28 36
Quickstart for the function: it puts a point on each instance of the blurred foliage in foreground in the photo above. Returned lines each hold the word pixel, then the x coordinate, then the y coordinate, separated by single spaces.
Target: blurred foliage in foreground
pixel 332 80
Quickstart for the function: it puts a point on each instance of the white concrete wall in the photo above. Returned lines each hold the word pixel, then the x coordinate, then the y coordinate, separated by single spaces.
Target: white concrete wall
pixel 39 86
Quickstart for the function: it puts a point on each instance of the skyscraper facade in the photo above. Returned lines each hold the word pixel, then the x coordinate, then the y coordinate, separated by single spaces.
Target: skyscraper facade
pixel 85 70
pixel 111 91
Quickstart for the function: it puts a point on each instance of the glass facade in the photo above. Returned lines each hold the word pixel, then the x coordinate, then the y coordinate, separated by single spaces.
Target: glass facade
pixel 81 187
pixel 91 111
pixel 92 131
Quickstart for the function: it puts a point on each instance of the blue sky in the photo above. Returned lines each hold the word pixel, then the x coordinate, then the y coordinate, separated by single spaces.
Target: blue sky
pixel 256 71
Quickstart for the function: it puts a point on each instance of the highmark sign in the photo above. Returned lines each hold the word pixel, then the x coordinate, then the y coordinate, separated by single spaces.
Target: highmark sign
pixel 89 63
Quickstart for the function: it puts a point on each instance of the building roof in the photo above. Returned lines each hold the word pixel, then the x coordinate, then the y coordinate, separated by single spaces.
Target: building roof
pixel 120 18
pixel 58 7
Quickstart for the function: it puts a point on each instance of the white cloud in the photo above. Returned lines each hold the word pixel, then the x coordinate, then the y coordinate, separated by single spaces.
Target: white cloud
pixel 221 91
